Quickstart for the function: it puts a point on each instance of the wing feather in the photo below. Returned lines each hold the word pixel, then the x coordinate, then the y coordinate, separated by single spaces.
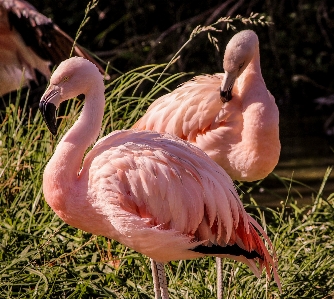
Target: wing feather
pixel 189 109
pixel 174 181
pixel 173 186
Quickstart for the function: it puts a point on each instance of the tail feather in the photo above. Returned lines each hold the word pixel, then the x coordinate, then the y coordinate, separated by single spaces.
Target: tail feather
pixel 268 261
pixel 247 246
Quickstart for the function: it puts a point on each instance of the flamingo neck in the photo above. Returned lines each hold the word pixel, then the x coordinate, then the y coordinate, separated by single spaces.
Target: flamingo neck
pixel 252 88
pixel 85 130
pixel 61 180
pixel 251 75
pixel 258 151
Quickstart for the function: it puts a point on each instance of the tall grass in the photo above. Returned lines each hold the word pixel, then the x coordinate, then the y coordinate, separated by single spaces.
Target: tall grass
pixel 42 257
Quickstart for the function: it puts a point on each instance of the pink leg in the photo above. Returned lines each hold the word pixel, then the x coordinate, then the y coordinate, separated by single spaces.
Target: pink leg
pixel 159 280
pixel 219 278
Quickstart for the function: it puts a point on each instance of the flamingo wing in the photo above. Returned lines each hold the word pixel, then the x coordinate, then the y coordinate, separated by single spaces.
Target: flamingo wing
pixel 188 111
pixel 168 188
pixel 155 174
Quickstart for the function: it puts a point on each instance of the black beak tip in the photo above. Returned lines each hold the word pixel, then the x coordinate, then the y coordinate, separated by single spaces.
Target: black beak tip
pixel 48 111
pixel 53 129
pixel 225 95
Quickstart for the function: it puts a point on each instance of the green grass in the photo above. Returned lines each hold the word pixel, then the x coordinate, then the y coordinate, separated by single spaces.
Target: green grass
pixel 42 257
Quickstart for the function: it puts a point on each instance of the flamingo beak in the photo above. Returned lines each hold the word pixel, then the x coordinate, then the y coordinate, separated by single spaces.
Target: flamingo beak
pixel 48 108
pixel 226 87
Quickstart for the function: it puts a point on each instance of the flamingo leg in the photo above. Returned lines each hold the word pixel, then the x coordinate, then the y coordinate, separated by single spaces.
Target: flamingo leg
pixel 159 280
pixel 155 280
pixel 219 278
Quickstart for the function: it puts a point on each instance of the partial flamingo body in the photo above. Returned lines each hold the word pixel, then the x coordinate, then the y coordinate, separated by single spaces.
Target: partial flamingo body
pixel 231 116
pixel 153 192
pixel 30 42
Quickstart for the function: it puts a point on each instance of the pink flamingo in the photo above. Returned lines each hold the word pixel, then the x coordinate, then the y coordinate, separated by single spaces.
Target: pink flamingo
pixel 30 42
pixel 153 192
pixel 241 134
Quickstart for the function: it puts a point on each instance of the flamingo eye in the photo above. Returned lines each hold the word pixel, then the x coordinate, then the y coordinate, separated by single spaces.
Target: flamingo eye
pixel 66 78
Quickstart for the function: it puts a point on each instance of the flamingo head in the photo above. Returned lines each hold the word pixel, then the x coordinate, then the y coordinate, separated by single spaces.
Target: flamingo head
pixel 73 76
pixel 238 54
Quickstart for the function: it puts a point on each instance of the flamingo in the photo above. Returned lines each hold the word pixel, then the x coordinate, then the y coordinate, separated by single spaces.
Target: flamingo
pixel 30 42
pixel 231 116
pixel 241 135
pixel 150 191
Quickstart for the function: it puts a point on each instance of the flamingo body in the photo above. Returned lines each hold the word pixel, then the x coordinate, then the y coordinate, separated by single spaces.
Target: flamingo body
pixel 153 192
pixel 136 187
pixel 240 134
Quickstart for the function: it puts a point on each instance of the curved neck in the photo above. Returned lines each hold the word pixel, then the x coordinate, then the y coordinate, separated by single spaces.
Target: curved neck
pixel 255 65
pixel 256 153
pixel 259 108
pixel 251 77
pixel 66 162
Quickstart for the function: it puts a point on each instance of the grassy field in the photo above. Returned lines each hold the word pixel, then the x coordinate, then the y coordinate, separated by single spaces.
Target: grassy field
pixel 42 257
